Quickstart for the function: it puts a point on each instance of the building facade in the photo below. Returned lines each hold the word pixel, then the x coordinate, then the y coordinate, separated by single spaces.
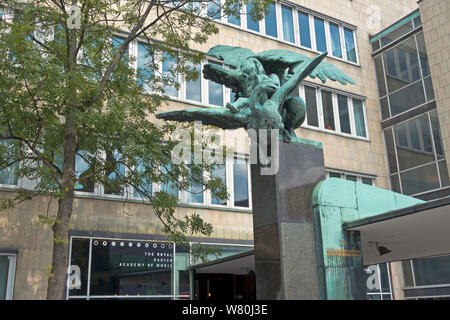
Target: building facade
pixel 390 129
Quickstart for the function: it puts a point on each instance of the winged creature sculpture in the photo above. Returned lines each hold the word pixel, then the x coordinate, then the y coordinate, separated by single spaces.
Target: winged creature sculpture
pixel 263 84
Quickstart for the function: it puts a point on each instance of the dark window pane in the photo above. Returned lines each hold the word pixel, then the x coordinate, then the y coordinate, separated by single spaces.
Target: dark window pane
pixel 240 175
pixel 251 24
pixel 115 171
pixel 8 175
pixel 360 123
pixel 407 98
pixel 384 106
pixel 423 55
pixel 395 184
pixel 351 178
pixel 407 273
pixel 384 275
pixel 79 267
pixel 194 87
pixel 432 271
pixel 429 89
pixel 344 116
pixel 219 172
pixel 146 184
pixel 319 27
pixel 397 33
pixel 368 181
pixel 122 267
pixel 335 175
pixel 235 19
pixel 305 32
pixel 413 139
pixel 375 45
pixel 436 134
pixel 271 21
pixel 167 72
pixel 390 149
pixel 84 173
pixel 215 95
pixel 350 44
pixel 379 72
pixel 417 22
pixel 402 65
pixel 328 115
pixel 288 24
pixel 420 180
pixel 311 106
pixel 443 172
pixel 335 40
pixel 182 270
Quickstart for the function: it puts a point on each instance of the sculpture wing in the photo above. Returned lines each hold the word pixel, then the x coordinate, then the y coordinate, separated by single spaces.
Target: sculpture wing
pixel 231 78
pixel 327 70
pixel 219 117
pixel 276 61
pixel 231 56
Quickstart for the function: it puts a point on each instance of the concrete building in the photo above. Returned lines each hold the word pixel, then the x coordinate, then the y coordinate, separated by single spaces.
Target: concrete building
pixel 384 44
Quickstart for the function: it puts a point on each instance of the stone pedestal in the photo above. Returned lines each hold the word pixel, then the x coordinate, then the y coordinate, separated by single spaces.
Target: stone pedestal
pixel 285 254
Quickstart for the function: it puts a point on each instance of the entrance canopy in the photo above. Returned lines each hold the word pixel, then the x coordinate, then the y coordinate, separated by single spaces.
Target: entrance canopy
pixel 417 231
pixel 242 263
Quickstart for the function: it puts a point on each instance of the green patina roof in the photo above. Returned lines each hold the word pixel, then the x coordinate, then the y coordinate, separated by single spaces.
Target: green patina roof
pixel 395 26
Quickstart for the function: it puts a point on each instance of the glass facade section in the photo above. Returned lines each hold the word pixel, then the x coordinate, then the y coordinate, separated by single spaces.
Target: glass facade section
pixel 288 24
pixel 215 91
pixel 429 271
pixel 271 21
pixel 235 19
pixel 84 172
pixel 167 72
pixel 145 65
pixel 194 87
pixel 360 124
pixel 221 173
pixel 114 172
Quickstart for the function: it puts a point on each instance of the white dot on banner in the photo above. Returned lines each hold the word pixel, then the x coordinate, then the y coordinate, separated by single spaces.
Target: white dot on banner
pixel 113 243
pixel 155 245
pixel 138 245
pixel 146 245
pixel 170 246
pixel 95 242
pixel 130 244
pixel 104 243
pixel 163 246
pixel 121 244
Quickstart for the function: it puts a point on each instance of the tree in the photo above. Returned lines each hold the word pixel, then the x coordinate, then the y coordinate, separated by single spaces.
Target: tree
pixel 67 92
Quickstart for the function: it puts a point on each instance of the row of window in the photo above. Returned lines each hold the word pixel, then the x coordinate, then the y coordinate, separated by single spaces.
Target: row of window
pixel 297 27
pixel 333 111
pixel 331 173
pixel 234 173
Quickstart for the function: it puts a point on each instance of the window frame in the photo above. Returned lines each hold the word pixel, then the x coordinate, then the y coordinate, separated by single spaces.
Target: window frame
pixel 11 277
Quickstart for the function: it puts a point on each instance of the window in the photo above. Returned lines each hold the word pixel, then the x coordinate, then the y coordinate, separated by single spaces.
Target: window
pixel 311 106
pixel 305 33
pixel 360 124
pixel 349 36
pixel 8 175
pixel 378 282
pixel 219 172
pixel 7 274
pixel 344 117
pixel 195 194
pixel 288 24
pixel 271 21
pixel 145 65
pixel 168 63
pixel 114 171
pixel 321 42
pixel 213 9
pixel 146 184
pixel 251 24
pixel 235 19
pixel 194 87
pixel 328 113
pixel 84 172
pixel 215 92
pixel 336 49
pixel 116 268
pixel 240 186
pixel 169 187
